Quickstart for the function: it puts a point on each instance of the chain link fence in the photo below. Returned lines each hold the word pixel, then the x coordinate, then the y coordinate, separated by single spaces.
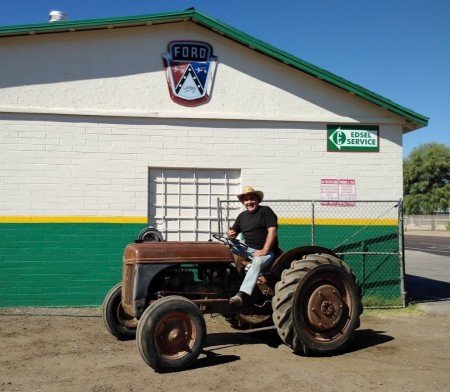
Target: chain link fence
pixel 365 234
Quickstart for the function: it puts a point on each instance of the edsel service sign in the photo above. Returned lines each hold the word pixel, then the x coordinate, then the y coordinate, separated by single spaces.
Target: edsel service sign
pixel 362 138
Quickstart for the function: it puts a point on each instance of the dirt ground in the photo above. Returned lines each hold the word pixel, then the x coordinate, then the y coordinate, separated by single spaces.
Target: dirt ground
pixel 71 350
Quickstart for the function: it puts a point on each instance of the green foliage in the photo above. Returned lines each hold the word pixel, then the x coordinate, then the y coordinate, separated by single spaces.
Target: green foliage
pixel 426 179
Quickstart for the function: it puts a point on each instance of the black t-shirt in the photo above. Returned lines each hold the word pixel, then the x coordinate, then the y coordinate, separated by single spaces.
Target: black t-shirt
pixel 254 226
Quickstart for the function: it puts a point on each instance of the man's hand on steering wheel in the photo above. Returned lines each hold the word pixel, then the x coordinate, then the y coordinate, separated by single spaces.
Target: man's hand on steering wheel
pixel 223 239
pixel 232 233
pixel 237 247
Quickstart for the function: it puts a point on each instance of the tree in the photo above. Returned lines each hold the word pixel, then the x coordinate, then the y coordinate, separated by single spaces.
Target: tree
pixel 426 179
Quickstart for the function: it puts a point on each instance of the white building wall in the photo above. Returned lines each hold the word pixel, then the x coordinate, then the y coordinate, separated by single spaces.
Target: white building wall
pixel 85 114
pixel 91 166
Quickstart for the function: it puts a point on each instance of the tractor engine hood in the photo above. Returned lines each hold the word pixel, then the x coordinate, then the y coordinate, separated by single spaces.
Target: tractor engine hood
pixel 177 252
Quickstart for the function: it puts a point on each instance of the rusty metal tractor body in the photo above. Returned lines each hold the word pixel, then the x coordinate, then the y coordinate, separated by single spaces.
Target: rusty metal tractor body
pixel 310 295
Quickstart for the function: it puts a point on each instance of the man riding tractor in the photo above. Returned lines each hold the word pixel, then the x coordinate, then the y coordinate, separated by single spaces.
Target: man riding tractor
pixel 309 294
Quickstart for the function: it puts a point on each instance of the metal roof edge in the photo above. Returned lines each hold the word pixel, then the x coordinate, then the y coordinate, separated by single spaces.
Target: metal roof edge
pixel 229 32
pixel 94 24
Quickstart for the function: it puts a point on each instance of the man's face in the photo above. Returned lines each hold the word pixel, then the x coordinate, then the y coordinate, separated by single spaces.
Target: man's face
pixel 251 203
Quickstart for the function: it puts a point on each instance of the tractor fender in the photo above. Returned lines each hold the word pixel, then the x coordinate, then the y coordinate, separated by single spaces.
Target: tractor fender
pixel 285 260
pixel 142 281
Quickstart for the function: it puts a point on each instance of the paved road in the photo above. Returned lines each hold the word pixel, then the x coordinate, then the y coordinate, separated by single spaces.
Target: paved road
pixel 427 271
pixel 436 245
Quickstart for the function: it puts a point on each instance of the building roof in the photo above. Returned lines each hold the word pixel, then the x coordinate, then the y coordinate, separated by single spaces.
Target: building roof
pixel 413 120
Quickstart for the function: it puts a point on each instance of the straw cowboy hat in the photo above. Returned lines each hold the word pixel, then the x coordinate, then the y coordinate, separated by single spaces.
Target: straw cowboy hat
pixel 248 190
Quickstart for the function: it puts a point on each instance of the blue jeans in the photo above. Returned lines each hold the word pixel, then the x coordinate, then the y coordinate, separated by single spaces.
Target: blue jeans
pixel 258 263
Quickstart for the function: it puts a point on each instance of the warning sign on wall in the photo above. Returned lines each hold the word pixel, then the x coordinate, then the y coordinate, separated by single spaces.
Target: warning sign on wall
pixel 337 192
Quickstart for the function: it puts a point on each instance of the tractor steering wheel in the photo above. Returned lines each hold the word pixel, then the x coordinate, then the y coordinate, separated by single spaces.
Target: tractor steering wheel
pixel 236 246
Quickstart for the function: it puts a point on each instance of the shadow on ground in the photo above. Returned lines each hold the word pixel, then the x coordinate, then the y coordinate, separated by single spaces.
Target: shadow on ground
pixel 215 342
pixel 420 289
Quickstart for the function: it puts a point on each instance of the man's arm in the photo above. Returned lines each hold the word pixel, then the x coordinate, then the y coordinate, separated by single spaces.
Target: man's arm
pixel 271 235
pixel 234 230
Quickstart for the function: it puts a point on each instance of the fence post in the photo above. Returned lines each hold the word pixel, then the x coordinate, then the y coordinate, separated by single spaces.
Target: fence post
pixel 401 247
pixel 365 249
pixel 219 217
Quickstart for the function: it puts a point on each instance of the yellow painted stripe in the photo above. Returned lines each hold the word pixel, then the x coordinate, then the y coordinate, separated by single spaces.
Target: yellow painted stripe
pixel 143 220
pixel 294 221
pixel 72 219
pixel 338 222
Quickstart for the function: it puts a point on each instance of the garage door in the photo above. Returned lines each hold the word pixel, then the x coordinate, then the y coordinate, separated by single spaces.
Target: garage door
pixel 183 202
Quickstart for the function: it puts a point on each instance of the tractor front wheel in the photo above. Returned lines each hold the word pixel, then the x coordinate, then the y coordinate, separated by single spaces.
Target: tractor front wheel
pixel 171 334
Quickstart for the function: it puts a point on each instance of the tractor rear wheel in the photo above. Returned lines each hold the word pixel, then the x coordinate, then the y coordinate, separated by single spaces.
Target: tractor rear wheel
pixel 317 305
pixel 171 334
pixel 117 322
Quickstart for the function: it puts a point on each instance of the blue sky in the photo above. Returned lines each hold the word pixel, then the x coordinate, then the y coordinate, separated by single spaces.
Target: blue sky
pixel 399 49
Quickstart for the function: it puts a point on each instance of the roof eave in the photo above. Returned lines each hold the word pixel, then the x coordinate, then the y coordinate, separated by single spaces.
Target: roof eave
pixel 95 24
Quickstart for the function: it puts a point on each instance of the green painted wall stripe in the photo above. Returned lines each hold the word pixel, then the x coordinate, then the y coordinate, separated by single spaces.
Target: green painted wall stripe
pixel 61 264
pixel 76 263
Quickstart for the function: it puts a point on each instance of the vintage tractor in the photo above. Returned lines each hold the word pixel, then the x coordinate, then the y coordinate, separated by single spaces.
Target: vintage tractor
pixel 308 293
